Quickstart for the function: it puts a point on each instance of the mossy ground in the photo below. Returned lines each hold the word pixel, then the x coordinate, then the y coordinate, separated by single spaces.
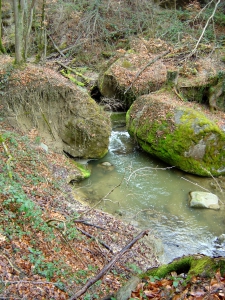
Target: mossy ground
pixel 191 265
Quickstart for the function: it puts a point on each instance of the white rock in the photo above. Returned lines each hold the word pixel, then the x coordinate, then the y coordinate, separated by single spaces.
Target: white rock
pixel 203 200
pixel 106 164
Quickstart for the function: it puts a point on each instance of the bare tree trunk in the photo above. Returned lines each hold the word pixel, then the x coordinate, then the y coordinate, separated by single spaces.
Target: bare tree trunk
pixel 18 6
pixel 42 43
pixel 29 21
pixel 2 49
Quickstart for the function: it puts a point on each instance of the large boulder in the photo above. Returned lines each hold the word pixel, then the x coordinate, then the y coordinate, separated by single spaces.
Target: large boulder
pixel 204 82
pixel 178 134
pixel 146 66
pixel 67 118
pixel 129 75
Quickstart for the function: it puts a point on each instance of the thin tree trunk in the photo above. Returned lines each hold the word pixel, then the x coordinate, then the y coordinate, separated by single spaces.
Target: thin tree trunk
pixel 2 49
pixel 18 6
pixel 29 22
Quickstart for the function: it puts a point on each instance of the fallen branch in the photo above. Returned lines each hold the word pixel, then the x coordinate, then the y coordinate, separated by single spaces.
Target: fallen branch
pixel 204 29
pixel 146 168
pixel 148 64
pixel 86 79
pixel 103 198
pixel 94 279
pixel 60 52
pixel 195 184
pixel 89 224
pixel 178 95
pixel 94 238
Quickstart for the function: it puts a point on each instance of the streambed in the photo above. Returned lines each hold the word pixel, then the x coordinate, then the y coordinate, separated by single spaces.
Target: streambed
pixel 149 194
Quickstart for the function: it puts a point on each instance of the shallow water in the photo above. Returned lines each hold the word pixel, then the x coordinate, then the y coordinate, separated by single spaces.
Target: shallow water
pixel 149 194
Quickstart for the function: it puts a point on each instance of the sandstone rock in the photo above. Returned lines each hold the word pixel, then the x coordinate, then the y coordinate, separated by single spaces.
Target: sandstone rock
pixel 66 117
pixel 120 80
pixel 203 200
pixel 178 134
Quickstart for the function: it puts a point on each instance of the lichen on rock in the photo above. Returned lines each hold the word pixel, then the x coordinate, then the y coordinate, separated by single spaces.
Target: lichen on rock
pixel 178 134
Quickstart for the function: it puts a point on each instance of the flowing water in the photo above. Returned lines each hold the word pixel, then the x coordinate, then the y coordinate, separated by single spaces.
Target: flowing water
pixel 149 194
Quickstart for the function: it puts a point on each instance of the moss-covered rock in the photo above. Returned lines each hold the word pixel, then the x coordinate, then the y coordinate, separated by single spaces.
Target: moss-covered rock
pixel 203 82
pixel 193 265
pixel 177 134
pixel 82 172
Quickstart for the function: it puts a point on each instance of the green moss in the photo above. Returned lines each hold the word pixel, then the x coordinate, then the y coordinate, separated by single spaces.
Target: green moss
pixel 191 265
pixel 173 144
pixel 86 173
pixel 126 64
pixel 182 265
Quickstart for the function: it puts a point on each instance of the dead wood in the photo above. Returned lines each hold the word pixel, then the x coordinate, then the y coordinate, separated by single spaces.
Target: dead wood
pixel 94 279
pixel 89 224
pixel 94 238
pixel 57 48
pixel 147 65
pixel 86 79
pixel 96 204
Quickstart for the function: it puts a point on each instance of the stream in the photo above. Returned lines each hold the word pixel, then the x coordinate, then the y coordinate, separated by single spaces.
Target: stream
pixel 149 194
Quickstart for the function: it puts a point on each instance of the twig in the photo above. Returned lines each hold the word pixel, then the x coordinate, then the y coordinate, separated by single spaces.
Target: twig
pixel 214 179
pixel 96 204
pixel 20 272
pixel 60 52
pixel 147 65
pixel 94 238
pixel 27 281
pixel 89 224
pixel 146 168
pixel 195 184
pixel 94 279
pixel 204 29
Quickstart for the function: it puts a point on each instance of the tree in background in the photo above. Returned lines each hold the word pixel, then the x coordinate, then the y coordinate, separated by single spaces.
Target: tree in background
pixel 2 49
pixel 23 17
pixel 19 8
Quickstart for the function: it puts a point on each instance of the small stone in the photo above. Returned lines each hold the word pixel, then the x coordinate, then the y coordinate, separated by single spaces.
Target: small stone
pixel 44 147
pixel 106 164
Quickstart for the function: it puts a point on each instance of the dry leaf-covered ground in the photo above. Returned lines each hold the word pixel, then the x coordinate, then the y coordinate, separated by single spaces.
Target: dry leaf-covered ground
pixel 50 244
pixel 173 287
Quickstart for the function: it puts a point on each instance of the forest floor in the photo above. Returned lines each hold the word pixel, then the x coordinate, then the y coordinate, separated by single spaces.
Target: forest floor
pixel 50 243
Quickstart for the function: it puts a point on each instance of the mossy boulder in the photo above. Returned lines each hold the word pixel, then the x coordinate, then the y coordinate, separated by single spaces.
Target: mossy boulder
pixel 192 265
pixel 178 134
pixel 66 117
pixel 203 81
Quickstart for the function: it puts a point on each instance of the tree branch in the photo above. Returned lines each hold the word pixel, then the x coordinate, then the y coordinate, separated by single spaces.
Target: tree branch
pixel 148 64
pixel 94 279
pixel 94 238
pixel 204 29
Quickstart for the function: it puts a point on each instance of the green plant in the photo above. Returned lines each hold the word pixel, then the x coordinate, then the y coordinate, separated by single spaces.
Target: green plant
pixel 177 281
pixel 135 268
pixel 41 267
